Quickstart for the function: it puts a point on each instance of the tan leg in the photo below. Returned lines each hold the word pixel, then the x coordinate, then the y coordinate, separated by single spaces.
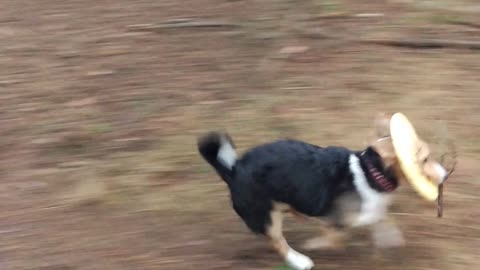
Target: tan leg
pixel 275 234
pixel 294 259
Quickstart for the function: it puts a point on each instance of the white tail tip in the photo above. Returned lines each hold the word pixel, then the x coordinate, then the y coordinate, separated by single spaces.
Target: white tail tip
pixel 227 155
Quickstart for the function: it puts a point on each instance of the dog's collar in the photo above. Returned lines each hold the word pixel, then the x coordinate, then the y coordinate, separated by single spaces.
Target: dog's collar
pixel 377 177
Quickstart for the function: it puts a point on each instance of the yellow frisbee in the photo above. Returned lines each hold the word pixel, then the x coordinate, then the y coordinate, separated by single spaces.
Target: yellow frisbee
pixel 405 140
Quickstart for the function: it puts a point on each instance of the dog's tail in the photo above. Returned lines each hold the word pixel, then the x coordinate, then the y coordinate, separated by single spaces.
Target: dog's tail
pixel 219 151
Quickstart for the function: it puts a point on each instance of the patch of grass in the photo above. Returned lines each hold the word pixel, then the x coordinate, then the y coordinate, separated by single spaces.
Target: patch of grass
pixel 282 267
pixel 86 191
pixel 120 195
pixel 75 142
pixel 100 128
pixel 330 6
pixel 445 18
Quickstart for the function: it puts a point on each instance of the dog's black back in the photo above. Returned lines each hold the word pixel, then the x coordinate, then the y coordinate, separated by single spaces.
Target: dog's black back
pixel 293 171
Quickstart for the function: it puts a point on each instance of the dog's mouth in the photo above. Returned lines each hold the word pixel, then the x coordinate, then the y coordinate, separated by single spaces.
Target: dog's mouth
pixel 391 173
pixel 386 179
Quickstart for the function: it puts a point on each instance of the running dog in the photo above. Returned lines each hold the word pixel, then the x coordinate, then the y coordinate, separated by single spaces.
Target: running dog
pixel 312 181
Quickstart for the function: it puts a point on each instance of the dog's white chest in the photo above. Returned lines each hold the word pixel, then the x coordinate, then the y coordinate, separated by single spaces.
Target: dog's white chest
pixel 374 204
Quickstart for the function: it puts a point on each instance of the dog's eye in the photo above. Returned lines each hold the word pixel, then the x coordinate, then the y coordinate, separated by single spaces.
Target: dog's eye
pixel 425 160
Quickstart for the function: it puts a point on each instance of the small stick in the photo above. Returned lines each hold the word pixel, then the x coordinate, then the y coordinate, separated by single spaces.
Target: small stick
pixel 440 187
pixel 440 191
pixel 440 201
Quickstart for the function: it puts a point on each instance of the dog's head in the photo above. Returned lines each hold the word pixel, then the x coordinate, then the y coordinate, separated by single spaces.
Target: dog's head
pixel 382 144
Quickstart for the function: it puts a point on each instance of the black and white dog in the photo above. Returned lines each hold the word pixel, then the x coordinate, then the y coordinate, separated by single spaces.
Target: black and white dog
pixel 308 180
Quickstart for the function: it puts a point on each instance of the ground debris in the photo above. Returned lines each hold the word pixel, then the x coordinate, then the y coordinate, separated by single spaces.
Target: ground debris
pixel 425 43
pixel 182 23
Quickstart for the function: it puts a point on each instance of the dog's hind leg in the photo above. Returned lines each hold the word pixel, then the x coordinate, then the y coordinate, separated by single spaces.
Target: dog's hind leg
pixel 332 238
pixel 293 258
pixel 297 215
pixel 386 234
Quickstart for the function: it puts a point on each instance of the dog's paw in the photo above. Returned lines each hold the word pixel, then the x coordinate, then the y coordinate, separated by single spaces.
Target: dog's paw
pixel 298 261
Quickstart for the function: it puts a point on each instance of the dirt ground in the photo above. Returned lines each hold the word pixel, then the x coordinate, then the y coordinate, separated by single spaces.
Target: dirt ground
pixel 101 102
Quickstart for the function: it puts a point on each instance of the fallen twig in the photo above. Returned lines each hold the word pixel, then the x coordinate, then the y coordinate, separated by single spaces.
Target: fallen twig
pixel 440 201
pixel 425 43
pixel 469 24
pixel 407 43
pixel 182 23
pixel 439 235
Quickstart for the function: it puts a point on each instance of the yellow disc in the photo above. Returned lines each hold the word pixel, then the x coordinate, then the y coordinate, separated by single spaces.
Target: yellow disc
pixel 404 140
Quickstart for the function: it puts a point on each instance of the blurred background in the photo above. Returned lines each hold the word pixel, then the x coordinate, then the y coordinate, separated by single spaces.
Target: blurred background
pixel 102 100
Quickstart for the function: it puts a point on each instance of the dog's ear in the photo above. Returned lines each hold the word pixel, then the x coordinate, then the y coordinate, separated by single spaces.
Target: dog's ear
pixel 384 148
pixel 382 125
pixel 382 142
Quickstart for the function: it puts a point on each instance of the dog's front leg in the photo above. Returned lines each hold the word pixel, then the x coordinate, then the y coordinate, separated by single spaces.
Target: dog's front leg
pixel 384 231
pixel 370 214
pixel 373 210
